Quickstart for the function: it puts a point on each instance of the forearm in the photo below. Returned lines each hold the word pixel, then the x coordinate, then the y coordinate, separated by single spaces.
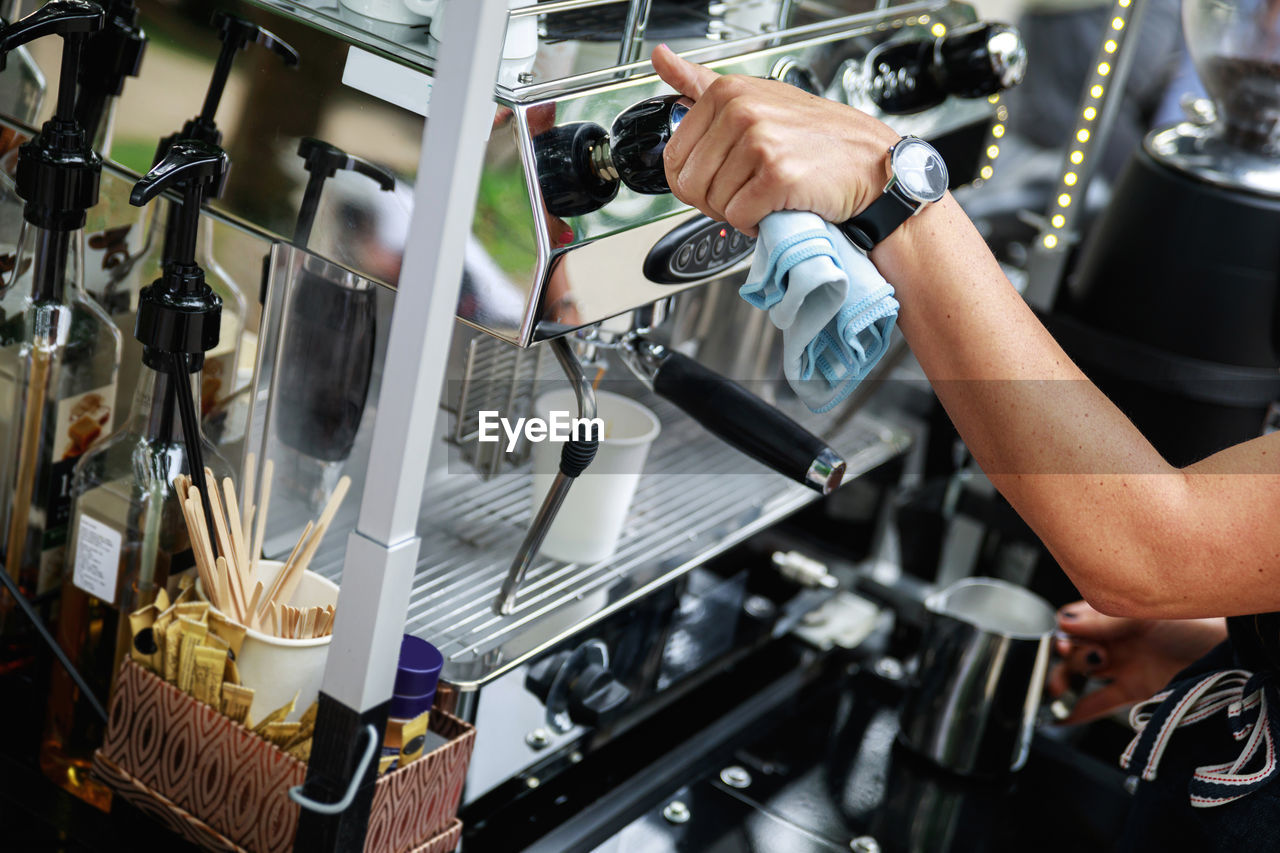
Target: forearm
pixel 1066 458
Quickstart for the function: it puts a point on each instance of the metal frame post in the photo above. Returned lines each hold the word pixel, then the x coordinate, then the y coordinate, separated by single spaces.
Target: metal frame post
pixel 1099 106
pixel 382 551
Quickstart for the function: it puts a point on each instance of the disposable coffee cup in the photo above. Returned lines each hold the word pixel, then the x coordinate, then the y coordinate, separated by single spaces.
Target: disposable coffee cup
pixel 591 519
pixel 276 667
pixel 410 12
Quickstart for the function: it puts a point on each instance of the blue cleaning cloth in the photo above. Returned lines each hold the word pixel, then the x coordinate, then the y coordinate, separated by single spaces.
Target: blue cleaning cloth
pixel 835 310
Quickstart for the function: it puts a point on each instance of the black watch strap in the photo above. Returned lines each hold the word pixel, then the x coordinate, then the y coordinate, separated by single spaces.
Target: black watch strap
pixel 878 221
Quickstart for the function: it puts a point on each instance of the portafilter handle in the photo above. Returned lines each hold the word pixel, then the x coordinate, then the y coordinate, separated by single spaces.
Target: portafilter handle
pixel 738 417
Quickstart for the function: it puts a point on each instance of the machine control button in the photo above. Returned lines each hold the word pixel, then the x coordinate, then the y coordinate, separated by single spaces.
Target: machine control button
pixel 684 256
pixel 719 243
pixel 697 249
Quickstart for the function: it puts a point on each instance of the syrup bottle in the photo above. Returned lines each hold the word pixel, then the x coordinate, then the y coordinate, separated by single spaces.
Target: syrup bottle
pixel 128 531
pixel 59 351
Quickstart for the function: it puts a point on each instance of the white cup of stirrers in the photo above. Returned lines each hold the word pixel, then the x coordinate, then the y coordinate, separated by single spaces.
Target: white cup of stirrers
pixel 288 612
pixel 277 668
pixel 232 580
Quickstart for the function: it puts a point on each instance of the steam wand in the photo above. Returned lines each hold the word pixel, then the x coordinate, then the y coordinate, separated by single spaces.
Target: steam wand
pixel 574 459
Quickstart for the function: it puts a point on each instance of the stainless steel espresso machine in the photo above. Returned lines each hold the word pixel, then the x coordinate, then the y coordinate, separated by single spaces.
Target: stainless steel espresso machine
pixel 595 264
pixel 578 267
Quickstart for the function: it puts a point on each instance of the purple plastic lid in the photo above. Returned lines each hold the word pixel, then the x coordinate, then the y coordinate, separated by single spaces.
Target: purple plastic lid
pixel 418 670
pixel 408 707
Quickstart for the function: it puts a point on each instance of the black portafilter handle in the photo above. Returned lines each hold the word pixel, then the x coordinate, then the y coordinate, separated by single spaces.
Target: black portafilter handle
pixel 581 165
pixel 972 61
pixel 727 410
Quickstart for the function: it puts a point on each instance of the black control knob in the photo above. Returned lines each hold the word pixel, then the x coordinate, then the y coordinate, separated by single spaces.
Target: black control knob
pixel 569 182
pixel 596 697
pixel 980 60
pixel 581 165
pixel 639 137
pixel 970 62
pixel 542 675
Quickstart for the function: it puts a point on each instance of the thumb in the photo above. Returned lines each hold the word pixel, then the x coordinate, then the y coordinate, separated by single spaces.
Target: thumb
pixel 680 74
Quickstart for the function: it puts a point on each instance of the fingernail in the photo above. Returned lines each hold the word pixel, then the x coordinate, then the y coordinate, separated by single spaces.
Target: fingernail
pixel 1068 614
pixel 566 236
pixel 1094 659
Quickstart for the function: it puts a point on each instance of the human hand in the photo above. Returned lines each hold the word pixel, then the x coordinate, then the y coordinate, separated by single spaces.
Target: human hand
pixel 749 147
pixel 1136 657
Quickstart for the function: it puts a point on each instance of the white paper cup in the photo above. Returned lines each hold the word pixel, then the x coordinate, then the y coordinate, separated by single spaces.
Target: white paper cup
pixel 275 667
pixel 408 12
pixel 587 528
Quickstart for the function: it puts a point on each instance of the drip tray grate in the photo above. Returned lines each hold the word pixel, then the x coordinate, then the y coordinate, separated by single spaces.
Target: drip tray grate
pixel 471 529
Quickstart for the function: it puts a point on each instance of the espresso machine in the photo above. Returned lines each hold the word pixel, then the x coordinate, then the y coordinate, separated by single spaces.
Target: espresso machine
pixel 596 271
pixel 1172 307
pixel 576 263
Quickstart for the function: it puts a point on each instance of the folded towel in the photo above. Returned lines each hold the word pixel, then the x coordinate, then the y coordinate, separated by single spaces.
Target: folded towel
pixel 835 310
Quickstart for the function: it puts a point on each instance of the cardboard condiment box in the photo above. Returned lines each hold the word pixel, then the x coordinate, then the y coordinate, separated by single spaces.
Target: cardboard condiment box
pixel 220 786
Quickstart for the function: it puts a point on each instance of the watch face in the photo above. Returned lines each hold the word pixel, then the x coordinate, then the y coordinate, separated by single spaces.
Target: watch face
pixel 920 171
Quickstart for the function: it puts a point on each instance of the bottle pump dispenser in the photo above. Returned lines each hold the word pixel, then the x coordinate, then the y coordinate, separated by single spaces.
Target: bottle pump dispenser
pixel 221 364
pixel 331 335
pixel 179 314
pixel 112 56
pixel 59 352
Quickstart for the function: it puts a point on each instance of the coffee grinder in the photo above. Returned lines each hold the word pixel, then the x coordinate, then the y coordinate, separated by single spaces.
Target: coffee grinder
pixel 1173 308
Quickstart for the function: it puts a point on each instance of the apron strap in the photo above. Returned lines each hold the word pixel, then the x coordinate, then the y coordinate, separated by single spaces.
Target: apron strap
pixel 1249 714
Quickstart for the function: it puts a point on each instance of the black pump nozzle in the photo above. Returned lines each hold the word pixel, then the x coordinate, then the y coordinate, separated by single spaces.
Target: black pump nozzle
pixel 179 313
pixel 110 57
pixel 322 161
pixel 236 34
pixel 57 174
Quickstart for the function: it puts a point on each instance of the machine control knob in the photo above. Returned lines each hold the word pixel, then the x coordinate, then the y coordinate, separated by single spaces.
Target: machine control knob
pixel 596 697
pixel 970 62
pixel 570 185
pixel 791 71
pixel 581 165
pixel 542 675
pixel 577 687
pixel 640 135
pixel 980 60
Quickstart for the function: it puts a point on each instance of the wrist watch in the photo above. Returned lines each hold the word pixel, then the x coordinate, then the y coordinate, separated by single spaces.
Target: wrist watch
pixel 917 176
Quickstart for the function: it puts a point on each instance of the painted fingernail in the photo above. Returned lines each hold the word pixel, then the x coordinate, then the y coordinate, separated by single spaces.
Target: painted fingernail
pixel 566 236
pixel 1094 659
pixel 1068 614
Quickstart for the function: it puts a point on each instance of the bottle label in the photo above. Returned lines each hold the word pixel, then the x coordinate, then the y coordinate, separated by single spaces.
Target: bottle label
pixel 109 254
pixel 97 559
pixel 217 379
pixel 81 420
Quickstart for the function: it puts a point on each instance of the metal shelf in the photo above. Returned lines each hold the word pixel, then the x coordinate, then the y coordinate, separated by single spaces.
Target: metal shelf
pixel 471 528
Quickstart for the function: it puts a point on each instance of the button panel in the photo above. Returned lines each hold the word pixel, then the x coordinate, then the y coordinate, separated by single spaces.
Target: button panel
pixel 697 249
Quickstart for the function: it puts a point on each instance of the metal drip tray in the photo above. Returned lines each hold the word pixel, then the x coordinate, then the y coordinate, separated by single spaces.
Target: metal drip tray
pixel 471 529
